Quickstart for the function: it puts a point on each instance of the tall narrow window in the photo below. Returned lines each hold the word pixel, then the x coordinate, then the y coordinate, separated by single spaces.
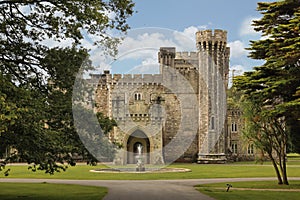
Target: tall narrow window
pixel 137 96
pixel 212 123
pixel 233 127
pixel 234 147
pixel 250 149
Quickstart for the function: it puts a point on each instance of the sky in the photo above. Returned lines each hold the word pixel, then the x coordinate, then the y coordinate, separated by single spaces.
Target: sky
pixel 170 23
pixel 155 21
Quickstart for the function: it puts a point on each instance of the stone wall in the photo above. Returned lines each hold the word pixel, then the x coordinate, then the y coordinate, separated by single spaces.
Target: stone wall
pixel 213 68
pixel 161 103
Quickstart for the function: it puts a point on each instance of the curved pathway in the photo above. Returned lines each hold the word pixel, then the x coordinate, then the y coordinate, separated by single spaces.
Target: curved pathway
pixel 146 189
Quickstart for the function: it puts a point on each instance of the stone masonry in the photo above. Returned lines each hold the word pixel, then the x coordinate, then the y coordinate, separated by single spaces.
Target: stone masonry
pixel 185 102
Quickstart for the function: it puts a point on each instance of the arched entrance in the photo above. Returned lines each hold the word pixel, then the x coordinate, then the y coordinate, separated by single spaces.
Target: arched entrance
pixel 136 139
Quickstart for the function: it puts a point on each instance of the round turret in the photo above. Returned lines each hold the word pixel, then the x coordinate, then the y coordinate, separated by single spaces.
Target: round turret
pixel 207 39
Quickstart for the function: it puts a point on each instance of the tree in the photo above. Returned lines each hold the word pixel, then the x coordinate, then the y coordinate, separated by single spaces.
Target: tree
pixel 50 139
pixel 8 109
pixel 36 118
pixel 274 86
pixel 25 24
pixel 94 139
pixel 267 132
pixel 106 123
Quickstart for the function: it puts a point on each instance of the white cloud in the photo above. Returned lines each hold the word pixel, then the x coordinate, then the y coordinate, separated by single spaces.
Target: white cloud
pixel 190 32
pixel 139 44
pixel 154 38
pixel 142 45
pixel 186 39
pixel 148 66
pixel 247 28
pixel 54 43
pixel 237 70
pixel 237 49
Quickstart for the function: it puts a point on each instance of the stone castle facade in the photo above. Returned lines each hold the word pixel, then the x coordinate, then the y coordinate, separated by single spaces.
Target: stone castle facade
pixel 179 114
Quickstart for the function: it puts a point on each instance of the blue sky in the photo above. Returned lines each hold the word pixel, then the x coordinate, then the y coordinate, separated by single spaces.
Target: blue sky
pixel 178 15
pixel 187 16
pixel 158 23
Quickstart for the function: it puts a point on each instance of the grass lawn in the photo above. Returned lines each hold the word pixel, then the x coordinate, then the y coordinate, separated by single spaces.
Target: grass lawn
pixel 259 190
pixel 46 191
pixel 234 170
pixel 218 191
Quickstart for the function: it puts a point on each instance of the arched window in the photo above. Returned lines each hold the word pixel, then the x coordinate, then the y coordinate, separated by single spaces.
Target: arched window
pixel 137 96
pixel 233 127
pixel 234 147
pixel 250 149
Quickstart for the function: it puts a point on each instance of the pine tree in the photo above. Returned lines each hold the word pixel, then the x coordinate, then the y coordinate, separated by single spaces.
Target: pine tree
pixel 275 85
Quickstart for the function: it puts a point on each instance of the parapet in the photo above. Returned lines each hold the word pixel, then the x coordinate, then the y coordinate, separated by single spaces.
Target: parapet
pixel 166 51
pixel 186 55
pixel 209 35
pixel 125 79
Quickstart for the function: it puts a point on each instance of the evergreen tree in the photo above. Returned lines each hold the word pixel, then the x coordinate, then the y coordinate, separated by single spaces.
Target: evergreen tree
pixel 274 86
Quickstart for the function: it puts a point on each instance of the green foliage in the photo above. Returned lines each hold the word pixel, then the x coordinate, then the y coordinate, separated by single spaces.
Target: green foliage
pixel 8 113
pixel 37 81
pixel 234 98
pixel 43 132
pixel 271 91
pixel 278 78
pixel 106 123
pixel 92 132
pixel 25 24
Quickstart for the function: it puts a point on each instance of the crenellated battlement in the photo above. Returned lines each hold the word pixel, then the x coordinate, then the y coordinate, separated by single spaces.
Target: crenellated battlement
pixel 190 92
pixel 211 40
pixel 125 79
pixel 167 51
pixel 209 35
pixel 186 55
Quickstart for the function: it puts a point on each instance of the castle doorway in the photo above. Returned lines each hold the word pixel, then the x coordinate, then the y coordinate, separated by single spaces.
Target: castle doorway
pixel 138 139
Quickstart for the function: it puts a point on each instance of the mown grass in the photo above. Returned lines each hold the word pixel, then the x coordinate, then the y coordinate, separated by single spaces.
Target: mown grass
pixel 46 191
pixel 218 190
pixel 231 170
pixel 81 172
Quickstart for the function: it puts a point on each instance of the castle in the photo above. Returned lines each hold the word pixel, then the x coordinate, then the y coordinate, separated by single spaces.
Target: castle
pixel 179 114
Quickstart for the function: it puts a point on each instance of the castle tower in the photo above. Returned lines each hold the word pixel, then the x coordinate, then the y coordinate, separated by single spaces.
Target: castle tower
pixel 213 79
pixel 213 45
pixel 166 57
pixel 186 102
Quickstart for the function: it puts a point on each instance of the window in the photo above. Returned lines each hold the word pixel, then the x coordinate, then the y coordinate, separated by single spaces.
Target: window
pixel 233 127
pixel 234 147
pixel 137 96
pixel 212 123
pixel 250 149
